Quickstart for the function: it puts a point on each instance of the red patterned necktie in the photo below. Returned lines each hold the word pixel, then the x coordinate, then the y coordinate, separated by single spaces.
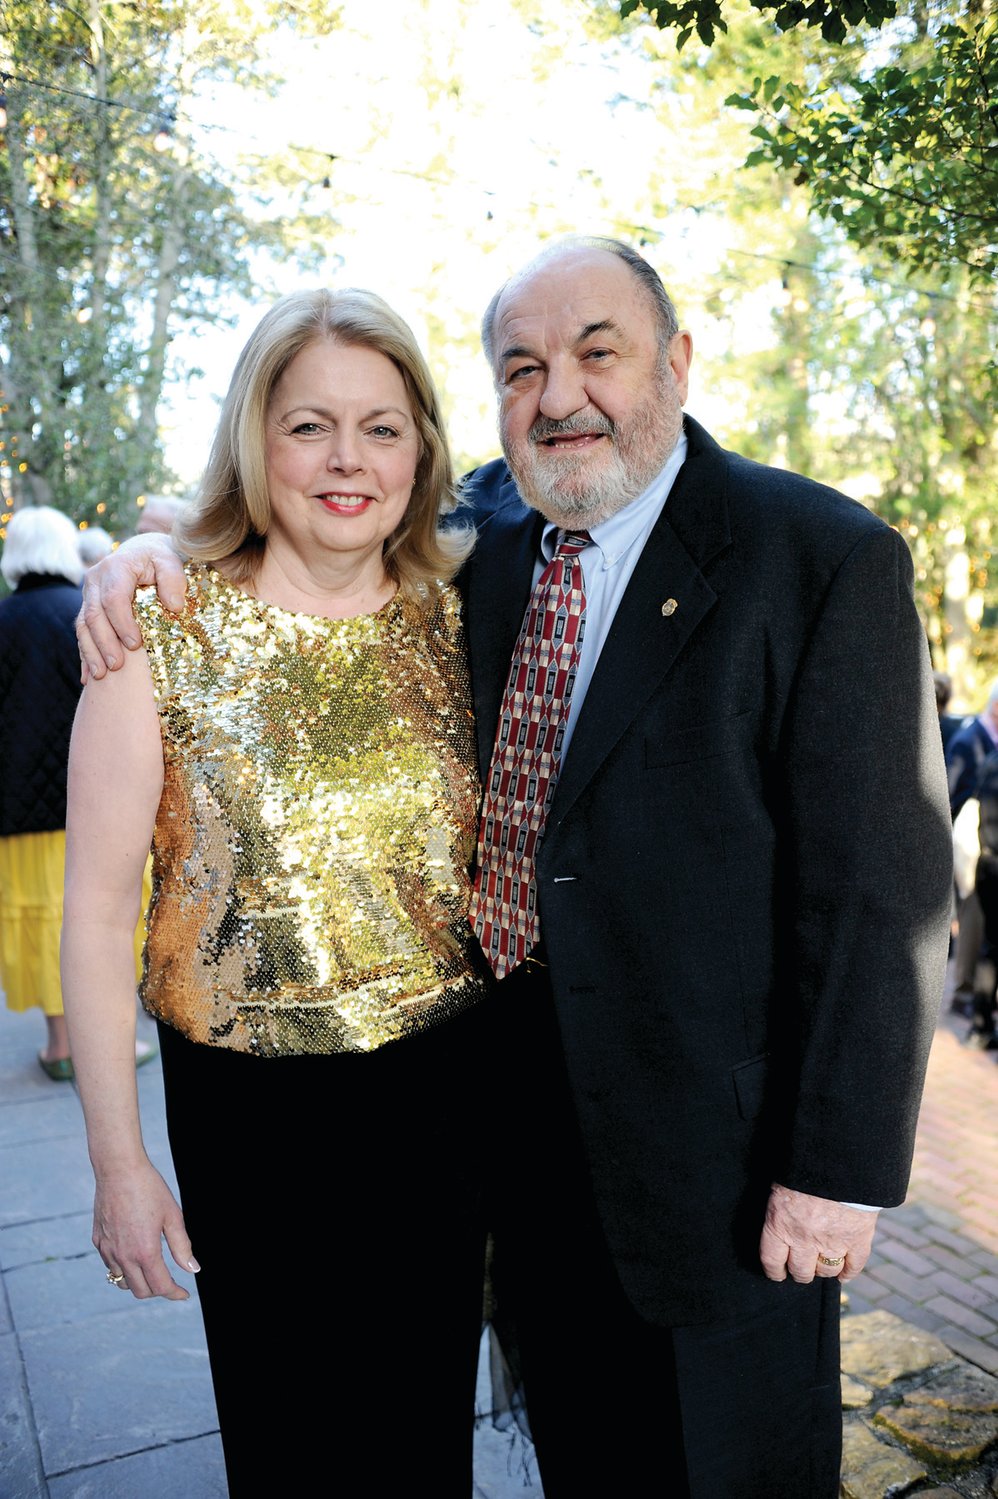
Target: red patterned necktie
pixel 527 758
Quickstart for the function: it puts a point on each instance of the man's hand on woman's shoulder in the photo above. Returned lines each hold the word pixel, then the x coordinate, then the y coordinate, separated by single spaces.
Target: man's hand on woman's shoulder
pixel 106 622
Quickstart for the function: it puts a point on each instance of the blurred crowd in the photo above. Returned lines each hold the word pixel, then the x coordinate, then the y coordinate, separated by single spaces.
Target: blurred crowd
pixel 971 748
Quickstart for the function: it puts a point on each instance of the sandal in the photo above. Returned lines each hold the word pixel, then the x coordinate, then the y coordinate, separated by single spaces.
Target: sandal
pixel 59 1069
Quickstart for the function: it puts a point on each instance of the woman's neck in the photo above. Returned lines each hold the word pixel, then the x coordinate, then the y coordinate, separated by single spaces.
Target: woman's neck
pixel 331 586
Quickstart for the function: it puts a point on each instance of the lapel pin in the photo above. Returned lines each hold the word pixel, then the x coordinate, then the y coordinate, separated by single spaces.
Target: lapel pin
pixel 669 607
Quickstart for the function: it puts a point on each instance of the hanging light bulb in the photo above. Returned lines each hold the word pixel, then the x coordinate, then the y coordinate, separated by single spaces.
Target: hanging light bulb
pixel 163 139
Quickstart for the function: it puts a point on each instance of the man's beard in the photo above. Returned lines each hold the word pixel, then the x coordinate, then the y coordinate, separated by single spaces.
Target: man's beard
pixel 584 488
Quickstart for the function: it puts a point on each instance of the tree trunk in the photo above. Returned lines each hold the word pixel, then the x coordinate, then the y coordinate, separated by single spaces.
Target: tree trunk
pixel 168 261
pixel 155 367
pixel 29 380
pixel 961 605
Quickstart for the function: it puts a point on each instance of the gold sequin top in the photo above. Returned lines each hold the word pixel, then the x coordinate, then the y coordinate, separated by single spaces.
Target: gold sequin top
pixel 311 852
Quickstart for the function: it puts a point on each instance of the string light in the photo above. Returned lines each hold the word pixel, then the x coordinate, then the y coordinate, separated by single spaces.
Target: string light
pixel 647 235
pixel 75 93
pixel 163 139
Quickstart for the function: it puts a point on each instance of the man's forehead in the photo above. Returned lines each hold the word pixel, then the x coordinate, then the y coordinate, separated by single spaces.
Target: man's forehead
pixel 584 291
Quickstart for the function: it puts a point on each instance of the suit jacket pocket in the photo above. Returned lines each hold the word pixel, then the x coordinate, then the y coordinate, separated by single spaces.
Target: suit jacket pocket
pixel 701 741
pixel 749 1079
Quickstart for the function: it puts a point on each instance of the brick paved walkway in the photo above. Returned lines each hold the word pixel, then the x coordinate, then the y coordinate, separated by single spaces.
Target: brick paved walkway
pixel 935 1260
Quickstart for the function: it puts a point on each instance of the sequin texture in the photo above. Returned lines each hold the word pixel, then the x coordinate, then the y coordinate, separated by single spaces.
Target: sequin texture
pixel 312 845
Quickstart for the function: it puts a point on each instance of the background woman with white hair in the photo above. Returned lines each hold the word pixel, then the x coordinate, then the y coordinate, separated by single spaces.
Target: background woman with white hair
pixel 39 690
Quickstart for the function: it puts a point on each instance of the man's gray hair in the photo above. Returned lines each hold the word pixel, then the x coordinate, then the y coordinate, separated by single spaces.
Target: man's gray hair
pixel 662 306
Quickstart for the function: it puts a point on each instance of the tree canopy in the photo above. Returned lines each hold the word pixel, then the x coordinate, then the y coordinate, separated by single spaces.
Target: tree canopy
pixel 903 154
pixel 866 212
pixel 707 17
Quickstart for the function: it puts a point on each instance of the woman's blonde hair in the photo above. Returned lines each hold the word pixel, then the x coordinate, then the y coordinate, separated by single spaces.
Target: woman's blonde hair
pixel 231 514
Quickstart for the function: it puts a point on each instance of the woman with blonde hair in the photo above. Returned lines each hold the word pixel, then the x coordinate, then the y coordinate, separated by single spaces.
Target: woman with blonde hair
pixel 298 744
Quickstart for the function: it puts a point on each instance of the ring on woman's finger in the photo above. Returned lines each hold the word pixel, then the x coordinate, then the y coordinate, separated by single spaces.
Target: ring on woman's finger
pixel 832 1264
pixel 117 1280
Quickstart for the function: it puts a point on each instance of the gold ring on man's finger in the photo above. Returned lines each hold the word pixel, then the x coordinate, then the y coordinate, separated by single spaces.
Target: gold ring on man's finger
pixel 832 1264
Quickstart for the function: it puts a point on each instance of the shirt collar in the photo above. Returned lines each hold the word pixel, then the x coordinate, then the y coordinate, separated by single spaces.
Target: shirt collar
pixel 632 524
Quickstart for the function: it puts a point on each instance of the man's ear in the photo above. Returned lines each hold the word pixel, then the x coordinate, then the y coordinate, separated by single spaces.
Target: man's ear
pixel 680 359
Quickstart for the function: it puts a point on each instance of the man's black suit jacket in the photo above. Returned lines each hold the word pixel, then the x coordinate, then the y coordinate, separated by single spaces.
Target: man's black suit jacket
pixel 744 880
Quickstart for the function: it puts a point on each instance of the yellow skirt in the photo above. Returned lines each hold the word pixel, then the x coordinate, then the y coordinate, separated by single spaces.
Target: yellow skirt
pixel 32 869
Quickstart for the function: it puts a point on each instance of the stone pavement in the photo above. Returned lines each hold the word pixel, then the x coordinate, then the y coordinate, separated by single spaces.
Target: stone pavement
pixel 103 1397
pixel 917 1419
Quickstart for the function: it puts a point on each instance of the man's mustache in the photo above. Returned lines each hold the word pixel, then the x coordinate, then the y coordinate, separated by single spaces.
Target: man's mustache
pixel 546 427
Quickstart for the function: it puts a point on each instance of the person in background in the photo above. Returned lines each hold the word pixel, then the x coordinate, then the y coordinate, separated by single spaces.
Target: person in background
pixel 949 723
pixel 968 748
pixel 983 1029
pixel 158 514
pixel 965 756
pixel 39 690
pixel 94 543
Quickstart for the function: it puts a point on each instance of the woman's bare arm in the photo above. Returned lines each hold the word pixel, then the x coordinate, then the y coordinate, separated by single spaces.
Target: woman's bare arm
pixel 115 785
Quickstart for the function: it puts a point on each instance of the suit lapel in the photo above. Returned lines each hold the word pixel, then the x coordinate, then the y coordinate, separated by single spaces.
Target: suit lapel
pixel 645 639
pixel 497 589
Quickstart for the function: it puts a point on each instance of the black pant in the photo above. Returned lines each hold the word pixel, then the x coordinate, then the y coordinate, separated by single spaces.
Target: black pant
pixel 334 1205
pixel 747 1408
